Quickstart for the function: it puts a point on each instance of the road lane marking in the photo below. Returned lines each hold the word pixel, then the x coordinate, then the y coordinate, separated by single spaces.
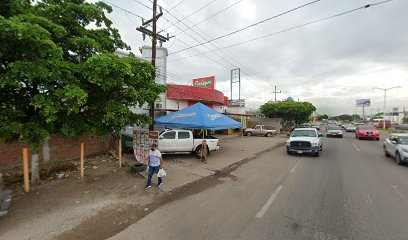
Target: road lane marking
pixel 294 167
pixel 369 201
pixel 269 202
pixel 354 145
pixel 400 193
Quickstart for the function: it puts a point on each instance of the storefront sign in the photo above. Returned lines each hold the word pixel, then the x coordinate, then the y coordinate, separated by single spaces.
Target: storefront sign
pixel 207 82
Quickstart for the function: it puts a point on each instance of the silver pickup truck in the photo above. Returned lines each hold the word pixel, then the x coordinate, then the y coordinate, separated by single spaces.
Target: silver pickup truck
pixel 260 130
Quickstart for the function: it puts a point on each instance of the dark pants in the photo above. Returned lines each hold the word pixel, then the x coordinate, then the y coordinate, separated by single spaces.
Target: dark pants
pixel 153 170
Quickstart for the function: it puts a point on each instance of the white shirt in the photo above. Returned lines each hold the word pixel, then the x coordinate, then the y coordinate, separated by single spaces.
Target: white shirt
pixel 154 158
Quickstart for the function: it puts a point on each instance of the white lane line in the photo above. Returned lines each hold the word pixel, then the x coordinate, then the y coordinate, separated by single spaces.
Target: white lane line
pixel 354 145
pixel 369 201
pixel 269 202
pixel 400 193
pixel 294 167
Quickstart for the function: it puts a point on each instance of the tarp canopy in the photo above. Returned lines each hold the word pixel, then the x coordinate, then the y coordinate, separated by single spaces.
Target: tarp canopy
pixel 198 116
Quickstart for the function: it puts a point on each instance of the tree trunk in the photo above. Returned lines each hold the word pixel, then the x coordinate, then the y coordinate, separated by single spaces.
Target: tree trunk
pixel 46 150
pixel 35 170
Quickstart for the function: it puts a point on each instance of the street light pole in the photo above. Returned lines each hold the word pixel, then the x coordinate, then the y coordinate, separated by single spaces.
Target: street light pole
pixel 385 100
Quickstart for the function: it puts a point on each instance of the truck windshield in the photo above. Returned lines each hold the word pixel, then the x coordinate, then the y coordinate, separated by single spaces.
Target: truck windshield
pixel 303 133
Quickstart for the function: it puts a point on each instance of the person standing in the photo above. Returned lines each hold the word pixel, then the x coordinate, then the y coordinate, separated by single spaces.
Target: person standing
pixel 155 163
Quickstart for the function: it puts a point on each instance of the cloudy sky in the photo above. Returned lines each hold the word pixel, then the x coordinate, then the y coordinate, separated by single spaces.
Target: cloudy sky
pixel 330 63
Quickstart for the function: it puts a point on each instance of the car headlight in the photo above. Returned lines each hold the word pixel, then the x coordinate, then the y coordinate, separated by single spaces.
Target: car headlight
pixel 315 144
pixel 287 143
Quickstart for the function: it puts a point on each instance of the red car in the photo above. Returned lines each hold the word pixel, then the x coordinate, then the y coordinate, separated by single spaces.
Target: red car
pixel 367 131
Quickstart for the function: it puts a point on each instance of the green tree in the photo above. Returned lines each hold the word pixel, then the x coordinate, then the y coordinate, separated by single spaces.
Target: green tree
pixel 323 116
pixel 343 117
pixel 59 73
pixel 290 111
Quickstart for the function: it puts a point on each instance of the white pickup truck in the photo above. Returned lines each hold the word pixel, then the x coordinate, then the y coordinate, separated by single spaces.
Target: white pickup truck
pixel 182 141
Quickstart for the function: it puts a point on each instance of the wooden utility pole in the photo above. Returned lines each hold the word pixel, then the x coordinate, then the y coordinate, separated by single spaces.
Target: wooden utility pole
pixel 25 170
pixel 155 37
pixel 275 92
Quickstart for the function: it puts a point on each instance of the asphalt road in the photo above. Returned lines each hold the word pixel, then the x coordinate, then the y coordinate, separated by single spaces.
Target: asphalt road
pixel 352 191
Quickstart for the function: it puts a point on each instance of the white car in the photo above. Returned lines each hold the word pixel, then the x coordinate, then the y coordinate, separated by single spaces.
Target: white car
pixel 305 140
pixel 396 145
pixel 350 128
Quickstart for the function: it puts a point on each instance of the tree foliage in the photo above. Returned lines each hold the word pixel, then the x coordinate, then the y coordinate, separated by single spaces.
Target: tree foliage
pixel 344 118
pixel 290 111
pixel 323 116
pixel 59 73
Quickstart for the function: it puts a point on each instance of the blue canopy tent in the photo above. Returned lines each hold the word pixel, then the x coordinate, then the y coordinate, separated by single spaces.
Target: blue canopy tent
pixel 198 116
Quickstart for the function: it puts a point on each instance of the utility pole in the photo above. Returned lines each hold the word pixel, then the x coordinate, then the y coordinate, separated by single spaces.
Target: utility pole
pixel 155 37
pixel 385 100
pixel 233 80
pixel 275 92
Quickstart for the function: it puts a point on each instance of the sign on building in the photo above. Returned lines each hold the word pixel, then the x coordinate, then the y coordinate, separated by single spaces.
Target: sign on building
pixel 206 82
pixel 366 102
pixel 236 103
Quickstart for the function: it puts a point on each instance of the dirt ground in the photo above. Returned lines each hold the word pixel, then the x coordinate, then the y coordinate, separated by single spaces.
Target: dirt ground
pixel 104 184
pixel 111 198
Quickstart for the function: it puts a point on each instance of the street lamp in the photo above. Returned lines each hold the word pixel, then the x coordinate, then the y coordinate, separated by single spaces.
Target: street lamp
pixel 385 99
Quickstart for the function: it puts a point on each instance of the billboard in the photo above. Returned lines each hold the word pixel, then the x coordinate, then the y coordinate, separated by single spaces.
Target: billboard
pixel 236 103
pixel 206 82
pixel 366 102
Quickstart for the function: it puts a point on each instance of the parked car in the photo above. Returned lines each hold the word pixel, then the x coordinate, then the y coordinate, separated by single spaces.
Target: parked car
pixel 350 128
pixel 396 145
pixel 368 132
pixel 304 140
pixel 334 131
pixel 317 126
pixel 5 198
pixel 260 130
pixel 182 141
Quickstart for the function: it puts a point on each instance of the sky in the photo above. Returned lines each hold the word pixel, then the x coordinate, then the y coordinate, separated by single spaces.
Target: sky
pixel 330 63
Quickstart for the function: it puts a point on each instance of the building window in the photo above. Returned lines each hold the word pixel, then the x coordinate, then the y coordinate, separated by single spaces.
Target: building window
pixel 159 106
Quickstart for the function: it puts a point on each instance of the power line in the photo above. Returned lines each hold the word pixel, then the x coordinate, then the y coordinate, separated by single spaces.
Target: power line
pixel 212 16
pixel 287 29
pixel 222 57
pixel 123 9
pixel 221 64
pixel 249 26
pixel 194 12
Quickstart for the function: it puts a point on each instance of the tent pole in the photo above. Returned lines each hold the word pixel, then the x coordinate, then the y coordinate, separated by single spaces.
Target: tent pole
pixel 242 138
pixel 202 145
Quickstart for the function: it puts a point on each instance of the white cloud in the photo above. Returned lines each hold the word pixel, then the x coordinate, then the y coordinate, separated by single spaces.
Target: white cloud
pixel 330 63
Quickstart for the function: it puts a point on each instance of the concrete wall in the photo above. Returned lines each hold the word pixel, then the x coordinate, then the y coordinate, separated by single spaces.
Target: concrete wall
pixel 59 149
pixel 172 104
pixel 274 122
